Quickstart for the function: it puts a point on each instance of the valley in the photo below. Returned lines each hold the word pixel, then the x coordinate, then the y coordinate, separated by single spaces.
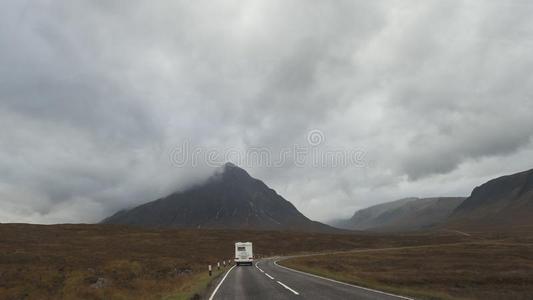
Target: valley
pixel 121 262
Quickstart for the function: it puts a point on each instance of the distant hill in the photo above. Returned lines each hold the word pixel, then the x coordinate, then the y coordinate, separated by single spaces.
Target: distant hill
pixel 402 215
pixel 499 203
pixel 229 199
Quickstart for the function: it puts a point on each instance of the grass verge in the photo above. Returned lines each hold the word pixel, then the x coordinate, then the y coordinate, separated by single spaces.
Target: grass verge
pixel 197 288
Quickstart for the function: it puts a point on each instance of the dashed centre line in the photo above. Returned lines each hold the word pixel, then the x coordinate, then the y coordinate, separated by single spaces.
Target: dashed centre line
pixel 279 282
pixel 285 286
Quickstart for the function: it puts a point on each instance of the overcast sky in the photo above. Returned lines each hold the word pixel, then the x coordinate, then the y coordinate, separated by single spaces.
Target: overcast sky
pixel 98 99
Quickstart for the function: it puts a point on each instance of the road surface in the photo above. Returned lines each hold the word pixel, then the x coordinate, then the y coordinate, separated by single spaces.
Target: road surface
pixel 267 280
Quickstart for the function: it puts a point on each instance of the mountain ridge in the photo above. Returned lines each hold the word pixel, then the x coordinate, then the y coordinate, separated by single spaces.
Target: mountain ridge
pixel 500 204
pixel 407 214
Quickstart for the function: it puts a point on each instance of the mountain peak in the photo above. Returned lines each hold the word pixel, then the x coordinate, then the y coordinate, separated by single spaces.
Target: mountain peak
pixel 232 168
pixel 229 199
pixel 230 165
pixel 231 172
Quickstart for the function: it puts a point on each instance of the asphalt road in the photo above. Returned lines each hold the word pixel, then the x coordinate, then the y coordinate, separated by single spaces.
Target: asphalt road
pixel 267 280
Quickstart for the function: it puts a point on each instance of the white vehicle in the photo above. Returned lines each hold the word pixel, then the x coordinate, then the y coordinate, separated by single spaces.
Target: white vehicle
pixel 244 254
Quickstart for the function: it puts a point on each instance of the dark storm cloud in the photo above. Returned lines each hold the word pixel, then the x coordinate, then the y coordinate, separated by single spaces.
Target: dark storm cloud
pixel 95 95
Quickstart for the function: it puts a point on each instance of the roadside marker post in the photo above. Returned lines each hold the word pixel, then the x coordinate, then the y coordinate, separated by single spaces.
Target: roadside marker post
pixel 224 264
pixel 218 265
pixel 210 271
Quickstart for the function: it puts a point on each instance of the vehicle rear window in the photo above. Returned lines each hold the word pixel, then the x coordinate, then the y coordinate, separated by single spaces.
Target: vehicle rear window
pixel 241 248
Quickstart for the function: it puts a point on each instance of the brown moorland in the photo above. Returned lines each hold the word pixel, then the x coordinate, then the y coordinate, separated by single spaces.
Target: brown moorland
pixel 120 262
pixel 496 266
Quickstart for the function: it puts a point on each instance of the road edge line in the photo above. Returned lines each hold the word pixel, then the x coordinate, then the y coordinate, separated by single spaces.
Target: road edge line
pixel 256 265
pixel 220 283
pixel 340 282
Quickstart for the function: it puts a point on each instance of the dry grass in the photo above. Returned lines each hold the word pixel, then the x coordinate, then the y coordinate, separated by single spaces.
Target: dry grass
pixel 65 261
pixel 484 269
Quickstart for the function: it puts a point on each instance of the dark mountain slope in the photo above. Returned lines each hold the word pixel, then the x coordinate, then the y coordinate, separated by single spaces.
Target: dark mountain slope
pixel 230 199
pixel 501 202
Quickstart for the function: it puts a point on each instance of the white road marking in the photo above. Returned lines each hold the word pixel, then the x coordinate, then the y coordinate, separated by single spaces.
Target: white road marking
pixel 285 286
pixel 460 232
pixel 269 276
pixel 256 265
pixel 220 283
pixel 340 282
